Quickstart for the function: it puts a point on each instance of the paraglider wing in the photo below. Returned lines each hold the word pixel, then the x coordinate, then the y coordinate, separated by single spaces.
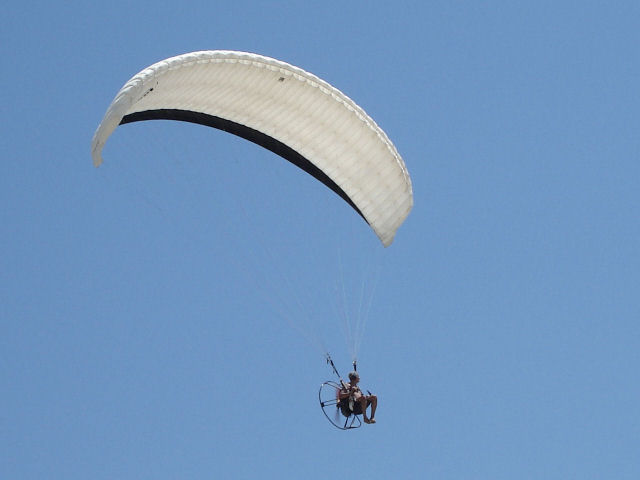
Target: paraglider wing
pixel 282 108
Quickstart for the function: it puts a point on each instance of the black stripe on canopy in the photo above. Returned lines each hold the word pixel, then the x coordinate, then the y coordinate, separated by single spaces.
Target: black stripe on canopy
pixel 247 133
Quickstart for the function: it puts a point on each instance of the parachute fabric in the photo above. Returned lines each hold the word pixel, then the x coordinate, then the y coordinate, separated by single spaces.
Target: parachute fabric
pixel 282 108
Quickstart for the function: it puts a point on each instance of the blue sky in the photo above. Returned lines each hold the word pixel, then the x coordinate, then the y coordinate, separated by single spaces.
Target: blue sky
pixel 146 307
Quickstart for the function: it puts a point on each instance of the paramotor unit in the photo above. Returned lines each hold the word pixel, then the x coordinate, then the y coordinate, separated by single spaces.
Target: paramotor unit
pixel 342 413
pixel 336 411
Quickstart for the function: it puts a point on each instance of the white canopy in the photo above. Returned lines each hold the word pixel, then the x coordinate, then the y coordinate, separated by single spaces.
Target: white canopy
pixel 283 108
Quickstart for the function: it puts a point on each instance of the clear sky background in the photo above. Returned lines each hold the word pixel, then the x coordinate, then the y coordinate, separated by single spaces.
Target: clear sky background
pixel 152 311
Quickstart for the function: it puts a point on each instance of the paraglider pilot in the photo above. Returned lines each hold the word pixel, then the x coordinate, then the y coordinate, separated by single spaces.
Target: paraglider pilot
pixel 353 400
